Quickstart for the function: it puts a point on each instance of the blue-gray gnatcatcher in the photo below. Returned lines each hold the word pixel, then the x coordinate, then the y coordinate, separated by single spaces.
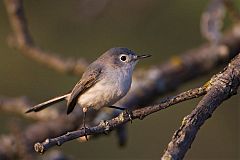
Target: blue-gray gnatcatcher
pixel 105 81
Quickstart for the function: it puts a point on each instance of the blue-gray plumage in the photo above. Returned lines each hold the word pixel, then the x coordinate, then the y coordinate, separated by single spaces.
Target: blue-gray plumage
pixel 105 81
pixel 109 77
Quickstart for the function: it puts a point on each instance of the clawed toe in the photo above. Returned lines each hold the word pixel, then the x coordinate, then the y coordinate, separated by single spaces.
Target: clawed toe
pixel 129 113
pixel 85 132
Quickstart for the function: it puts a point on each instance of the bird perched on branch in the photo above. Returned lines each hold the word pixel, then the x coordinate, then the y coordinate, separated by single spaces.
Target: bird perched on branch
pixel 105 81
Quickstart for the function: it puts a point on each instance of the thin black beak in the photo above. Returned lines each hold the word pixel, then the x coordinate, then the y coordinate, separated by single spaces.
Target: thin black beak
pixel 143 56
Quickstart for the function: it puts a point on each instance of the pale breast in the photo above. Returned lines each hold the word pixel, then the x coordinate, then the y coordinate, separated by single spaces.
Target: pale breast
pixel 107 91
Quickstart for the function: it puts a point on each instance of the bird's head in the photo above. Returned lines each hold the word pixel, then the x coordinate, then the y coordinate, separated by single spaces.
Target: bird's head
pixel 121 58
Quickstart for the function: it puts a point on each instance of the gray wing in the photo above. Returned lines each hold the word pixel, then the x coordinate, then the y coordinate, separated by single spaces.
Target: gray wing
pixel 89 78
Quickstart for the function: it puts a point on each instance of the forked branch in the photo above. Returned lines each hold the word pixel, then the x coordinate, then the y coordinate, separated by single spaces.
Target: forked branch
pixel 222 86
pixel 124 117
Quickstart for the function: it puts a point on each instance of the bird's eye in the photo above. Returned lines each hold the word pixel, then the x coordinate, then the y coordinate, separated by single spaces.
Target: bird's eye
pixel 123 58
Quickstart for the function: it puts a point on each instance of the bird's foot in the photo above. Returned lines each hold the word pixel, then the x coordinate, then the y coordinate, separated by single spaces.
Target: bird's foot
pixel 85 132
pixel 129 113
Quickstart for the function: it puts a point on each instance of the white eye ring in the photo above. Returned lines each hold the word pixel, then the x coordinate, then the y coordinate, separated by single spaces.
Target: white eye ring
pixel 123 58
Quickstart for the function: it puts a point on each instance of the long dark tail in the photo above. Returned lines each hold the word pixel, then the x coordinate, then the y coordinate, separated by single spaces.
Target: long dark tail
pixel 48 103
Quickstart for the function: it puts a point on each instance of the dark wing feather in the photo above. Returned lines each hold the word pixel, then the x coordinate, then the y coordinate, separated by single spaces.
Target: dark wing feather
pixel 89 78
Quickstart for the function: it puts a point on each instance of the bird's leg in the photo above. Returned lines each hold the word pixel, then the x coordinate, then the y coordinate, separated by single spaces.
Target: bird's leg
pixel 123 109
pixel 84 122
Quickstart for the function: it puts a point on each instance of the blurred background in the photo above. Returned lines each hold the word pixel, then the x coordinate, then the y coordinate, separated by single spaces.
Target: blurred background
pixel 87 28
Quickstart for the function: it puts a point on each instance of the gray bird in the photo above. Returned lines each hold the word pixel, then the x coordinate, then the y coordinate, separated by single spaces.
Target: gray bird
pixel 105 81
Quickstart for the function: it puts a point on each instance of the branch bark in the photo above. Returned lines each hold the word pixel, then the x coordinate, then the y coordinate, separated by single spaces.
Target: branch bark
pixel 124 117
pixel 223 86
pixel 147 85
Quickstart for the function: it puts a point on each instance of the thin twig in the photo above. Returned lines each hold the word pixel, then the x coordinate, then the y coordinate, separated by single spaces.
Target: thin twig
pixel 221 87
pixel 218 89
pixel 172 73
pixel 147 85
pixel 24 43
pixel 107 126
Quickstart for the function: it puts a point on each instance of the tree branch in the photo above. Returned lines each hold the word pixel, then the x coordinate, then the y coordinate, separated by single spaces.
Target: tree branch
pixel 24 43
pixel 107 126
pixel 222 86
pixel 147 85
pixel 212 21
